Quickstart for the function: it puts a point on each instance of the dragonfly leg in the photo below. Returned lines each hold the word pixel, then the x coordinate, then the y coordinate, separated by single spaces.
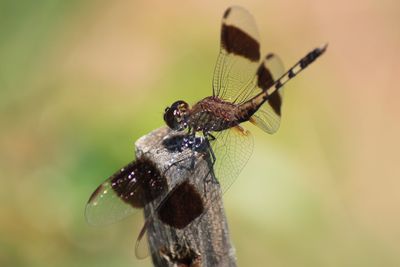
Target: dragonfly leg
pixel 209 137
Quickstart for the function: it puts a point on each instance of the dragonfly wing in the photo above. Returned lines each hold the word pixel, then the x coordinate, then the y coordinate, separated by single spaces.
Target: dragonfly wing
pixel 124 193
pixel 268 117
pixel 239 54
pixel 232 149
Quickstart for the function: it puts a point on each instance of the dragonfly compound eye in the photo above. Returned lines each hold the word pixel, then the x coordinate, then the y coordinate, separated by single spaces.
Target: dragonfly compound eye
pixel 175 116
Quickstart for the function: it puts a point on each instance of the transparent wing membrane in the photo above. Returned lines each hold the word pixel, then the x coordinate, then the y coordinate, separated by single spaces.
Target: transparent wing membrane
pixel 232 149
pixel 239 54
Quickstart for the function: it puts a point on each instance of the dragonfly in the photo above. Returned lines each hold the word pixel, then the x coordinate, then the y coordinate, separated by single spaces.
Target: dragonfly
pixel 245 88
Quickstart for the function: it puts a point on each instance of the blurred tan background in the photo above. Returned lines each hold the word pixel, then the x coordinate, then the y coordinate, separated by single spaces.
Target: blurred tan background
pixel 80 81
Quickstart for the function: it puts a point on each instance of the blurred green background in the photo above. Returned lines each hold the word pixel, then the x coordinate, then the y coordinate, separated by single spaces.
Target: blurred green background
pixel 80 81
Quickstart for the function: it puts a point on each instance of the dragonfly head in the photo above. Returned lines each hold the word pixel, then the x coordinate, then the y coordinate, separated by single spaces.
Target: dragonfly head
pixel 176 116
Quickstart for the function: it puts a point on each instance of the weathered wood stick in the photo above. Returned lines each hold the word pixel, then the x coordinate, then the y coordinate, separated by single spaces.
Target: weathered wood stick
pixel 178 235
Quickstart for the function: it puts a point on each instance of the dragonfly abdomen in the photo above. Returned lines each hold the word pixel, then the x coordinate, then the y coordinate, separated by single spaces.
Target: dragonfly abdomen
pixel 248 108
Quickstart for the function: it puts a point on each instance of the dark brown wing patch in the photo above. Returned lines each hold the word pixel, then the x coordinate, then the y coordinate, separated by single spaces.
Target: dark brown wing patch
pixel 275 101
pixel 149 183
pixel 237 42
pixel 125 192
pixel 182 206
pixel 264 77
pixel 226 13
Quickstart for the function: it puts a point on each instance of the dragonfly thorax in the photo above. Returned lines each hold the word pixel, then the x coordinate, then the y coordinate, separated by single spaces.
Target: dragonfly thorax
pixel 212 114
